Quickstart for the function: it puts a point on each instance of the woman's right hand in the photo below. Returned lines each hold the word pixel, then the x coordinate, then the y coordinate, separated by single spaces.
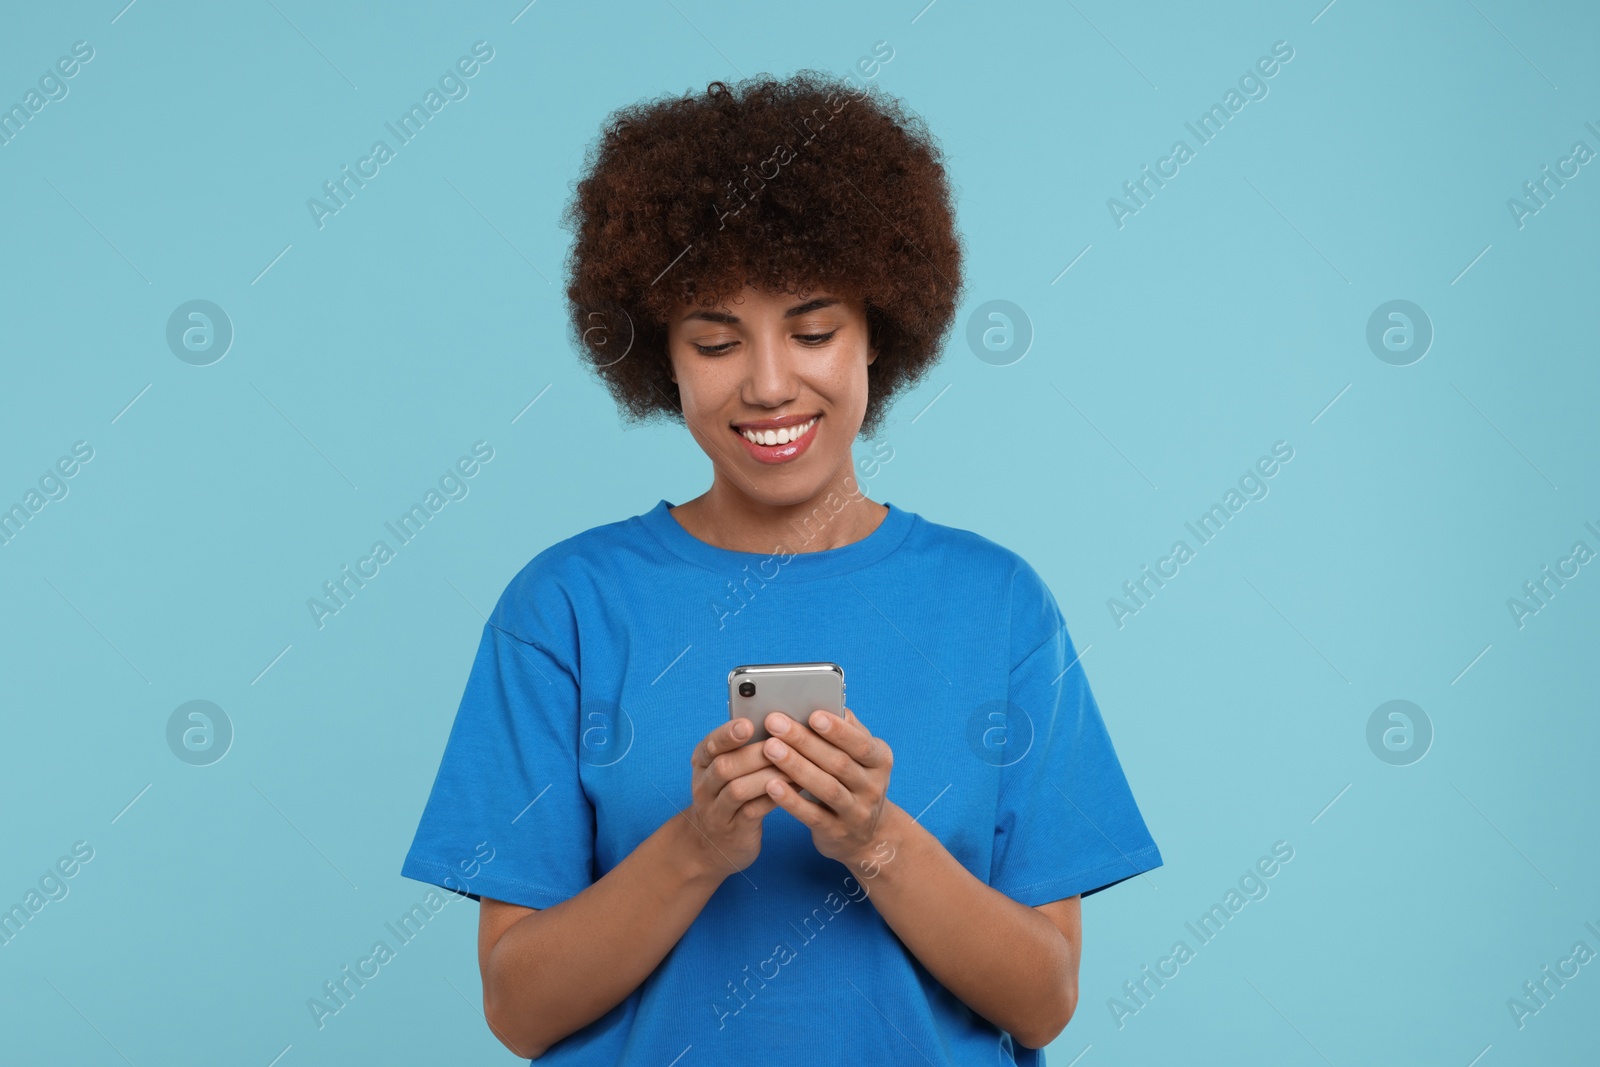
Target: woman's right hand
pixel 729 787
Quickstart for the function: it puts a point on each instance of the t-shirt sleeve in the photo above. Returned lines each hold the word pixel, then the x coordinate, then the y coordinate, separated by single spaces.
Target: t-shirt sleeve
pixel 508 817
pixel 1067 822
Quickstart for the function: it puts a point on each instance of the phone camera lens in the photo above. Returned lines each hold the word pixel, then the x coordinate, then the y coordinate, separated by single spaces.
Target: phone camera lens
pixel 747 689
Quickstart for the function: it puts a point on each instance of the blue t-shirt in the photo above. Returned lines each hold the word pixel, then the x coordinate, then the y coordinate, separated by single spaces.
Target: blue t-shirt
pixel 606 661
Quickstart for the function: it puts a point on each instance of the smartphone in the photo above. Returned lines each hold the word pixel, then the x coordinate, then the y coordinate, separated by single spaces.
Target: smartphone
pixel 796 689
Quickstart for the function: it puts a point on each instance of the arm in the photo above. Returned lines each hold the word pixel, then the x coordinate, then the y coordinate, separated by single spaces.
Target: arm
pixel 1015 965
pixel 550 972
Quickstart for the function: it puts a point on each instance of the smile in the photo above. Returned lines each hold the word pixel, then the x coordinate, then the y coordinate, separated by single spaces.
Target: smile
pixel 779 445
pixel 781 436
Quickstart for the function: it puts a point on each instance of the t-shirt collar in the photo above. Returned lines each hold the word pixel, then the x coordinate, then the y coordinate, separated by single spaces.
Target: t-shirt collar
pixel 889 535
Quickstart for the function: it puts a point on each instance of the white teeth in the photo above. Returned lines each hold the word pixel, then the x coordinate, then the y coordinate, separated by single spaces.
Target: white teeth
pixel 780 436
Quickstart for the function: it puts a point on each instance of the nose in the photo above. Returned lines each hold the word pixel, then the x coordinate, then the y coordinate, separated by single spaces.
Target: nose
pixel 769 379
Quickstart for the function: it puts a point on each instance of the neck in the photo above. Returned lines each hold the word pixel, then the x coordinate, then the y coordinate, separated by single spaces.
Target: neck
pixel 728 517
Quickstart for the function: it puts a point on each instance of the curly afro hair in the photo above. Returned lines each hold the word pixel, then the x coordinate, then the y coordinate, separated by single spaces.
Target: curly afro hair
pixel 786 185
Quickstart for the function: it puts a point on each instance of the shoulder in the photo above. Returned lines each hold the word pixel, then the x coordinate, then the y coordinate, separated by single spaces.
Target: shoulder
pixel 979 563
pixel 978 557
pixel 545 596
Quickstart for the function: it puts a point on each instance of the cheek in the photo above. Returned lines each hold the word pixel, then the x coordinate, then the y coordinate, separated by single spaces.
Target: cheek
pixel 846 383
pixel 687 386
pixel 704 387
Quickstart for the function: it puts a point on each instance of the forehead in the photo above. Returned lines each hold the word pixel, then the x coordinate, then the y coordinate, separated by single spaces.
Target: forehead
pixel 752 303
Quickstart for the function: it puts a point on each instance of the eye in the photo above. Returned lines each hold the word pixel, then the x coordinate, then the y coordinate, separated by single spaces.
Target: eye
pixel 713 350
pixel 816 338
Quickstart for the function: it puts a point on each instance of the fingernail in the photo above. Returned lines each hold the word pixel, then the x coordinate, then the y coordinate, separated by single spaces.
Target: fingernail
pixel 778 724
pixel 739 729
pixel 777 749
pixel 820 722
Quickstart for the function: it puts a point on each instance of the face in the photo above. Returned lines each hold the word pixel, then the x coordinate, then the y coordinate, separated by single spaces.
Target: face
pixel 774 389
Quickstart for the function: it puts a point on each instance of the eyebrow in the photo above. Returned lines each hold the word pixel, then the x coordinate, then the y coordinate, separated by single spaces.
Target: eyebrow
pixel 801 309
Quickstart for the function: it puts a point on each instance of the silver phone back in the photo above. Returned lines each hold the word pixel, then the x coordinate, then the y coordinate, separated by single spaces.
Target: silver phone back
pixel 796 689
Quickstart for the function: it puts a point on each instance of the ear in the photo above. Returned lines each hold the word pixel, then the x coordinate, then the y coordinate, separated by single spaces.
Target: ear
pixel 872 354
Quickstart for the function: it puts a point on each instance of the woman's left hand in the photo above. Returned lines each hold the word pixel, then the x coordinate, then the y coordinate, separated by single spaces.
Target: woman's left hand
pixel 843 766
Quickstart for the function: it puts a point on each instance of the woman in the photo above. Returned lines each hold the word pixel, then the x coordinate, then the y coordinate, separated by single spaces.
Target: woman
pixel 772 264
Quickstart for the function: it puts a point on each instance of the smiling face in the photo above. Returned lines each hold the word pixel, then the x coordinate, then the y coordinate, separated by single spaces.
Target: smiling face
pixel 774 389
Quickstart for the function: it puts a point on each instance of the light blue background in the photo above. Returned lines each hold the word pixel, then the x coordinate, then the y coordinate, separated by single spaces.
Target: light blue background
pixel 1228 314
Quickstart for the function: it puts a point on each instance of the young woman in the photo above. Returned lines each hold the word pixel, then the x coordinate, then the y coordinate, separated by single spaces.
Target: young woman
pixel 772 263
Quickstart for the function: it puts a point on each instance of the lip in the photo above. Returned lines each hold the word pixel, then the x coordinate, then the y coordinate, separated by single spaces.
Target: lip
pixel 784 453
pixel 776 423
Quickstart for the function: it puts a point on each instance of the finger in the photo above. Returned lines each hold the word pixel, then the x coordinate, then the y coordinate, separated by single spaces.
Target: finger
pixel 742 789
pixel 851 737
pixel 806 774
pixel 722 739
pixel 727 767
pixel 789 799
pixel 821 751
pixel 850 717
pixel 760 807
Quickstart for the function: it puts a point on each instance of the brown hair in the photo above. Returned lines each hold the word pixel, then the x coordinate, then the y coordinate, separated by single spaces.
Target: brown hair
pixel 782 184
